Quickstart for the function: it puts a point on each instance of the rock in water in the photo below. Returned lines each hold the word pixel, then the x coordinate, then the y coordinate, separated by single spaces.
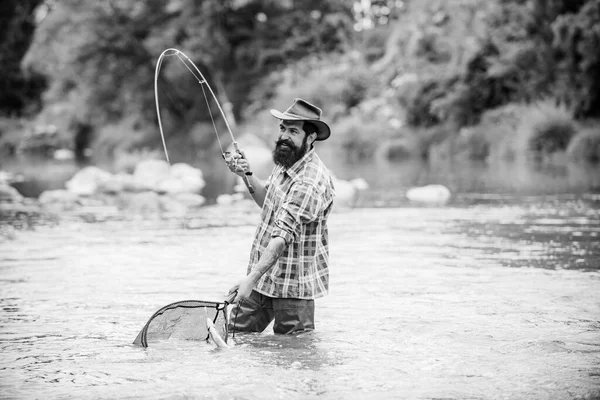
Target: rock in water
pixel 148 173
pixel 9 194
pixel 429 194
pixel 88 181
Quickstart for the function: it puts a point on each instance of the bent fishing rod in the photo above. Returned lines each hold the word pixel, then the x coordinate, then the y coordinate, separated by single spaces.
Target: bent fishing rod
pixel 189 64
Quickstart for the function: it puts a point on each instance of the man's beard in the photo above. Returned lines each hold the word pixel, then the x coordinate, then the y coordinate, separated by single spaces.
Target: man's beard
pixel 286 156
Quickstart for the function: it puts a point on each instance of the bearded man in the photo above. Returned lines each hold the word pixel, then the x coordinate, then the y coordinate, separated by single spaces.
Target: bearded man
pixel 289 260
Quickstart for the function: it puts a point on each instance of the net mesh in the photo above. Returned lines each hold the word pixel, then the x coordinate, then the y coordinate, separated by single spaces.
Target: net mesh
pixel 183 320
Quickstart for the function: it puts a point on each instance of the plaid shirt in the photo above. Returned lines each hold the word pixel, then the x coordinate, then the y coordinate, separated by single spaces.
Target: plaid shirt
pixel 296 207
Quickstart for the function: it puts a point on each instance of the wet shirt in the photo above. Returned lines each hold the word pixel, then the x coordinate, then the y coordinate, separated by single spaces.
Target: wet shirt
pixel 296 208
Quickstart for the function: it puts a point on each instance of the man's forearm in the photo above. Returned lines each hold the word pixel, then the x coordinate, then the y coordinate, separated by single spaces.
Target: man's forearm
pixel 259 190
pixel 274 250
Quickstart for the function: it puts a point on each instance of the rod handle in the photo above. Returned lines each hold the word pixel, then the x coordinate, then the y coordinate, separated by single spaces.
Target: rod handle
pixel 247 175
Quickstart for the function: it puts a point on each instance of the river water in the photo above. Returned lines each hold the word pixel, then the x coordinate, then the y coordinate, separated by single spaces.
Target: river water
pixel 495 295
pixel 490 296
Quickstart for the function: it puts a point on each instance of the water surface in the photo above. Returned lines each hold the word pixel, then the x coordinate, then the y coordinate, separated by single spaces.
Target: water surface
pixel 488 297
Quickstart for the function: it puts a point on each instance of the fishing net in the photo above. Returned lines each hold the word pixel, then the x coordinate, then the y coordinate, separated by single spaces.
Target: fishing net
pixel 184 320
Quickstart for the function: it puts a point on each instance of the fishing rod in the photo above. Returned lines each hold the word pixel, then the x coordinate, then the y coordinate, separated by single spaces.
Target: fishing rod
pixel 189 64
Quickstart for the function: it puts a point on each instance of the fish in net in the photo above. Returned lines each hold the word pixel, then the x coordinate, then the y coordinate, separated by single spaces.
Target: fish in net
pixel 186 320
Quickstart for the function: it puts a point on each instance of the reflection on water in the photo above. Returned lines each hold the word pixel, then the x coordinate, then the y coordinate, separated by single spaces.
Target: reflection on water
pixel 383 176
pixel 496 297
pixel 516 178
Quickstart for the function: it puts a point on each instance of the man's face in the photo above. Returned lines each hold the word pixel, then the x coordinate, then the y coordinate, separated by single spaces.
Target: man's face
pixel 291 143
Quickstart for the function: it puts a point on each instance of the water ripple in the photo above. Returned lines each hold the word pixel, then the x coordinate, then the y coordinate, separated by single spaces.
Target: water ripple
pixel 479 301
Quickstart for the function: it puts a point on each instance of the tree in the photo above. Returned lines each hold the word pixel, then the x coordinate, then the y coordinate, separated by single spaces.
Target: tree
pixel 19 91
pixel 101 55
pixel 576 44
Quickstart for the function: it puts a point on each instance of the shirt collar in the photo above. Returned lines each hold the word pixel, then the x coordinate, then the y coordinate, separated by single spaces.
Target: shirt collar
pixel 299 165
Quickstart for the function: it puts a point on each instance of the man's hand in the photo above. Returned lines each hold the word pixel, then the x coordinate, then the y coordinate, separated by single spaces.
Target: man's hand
pixel 237 163
pixel 270 256
pixel 243 288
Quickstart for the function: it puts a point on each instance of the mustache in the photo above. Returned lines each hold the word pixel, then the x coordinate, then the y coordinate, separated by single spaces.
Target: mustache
pixel 289 143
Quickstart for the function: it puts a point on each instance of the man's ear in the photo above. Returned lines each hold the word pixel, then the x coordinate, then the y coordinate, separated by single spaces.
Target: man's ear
pixel 312 137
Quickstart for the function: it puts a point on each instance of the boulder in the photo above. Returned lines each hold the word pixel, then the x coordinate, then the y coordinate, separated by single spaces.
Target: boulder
pixel 59 200
pixel 429 194
pixel 224 199
pixel 171 185
pixel 359 184
pixel 64 154
pixel 228 199
pixel 114 185
pixel 182 179
pixel 172 206
pixel 88 181
pixel 147 202
pixel 148 173
pixel 184 171
pixel 346 192
pixel 123 182
pixel 159 176
pixel 190 200
pixel 9 194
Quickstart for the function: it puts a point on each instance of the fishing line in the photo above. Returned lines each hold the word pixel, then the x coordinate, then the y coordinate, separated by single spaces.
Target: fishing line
pixel 237 310
pixel 193 69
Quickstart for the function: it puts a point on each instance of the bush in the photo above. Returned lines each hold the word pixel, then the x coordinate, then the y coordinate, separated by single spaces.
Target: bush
pixel 517 130
pixel 430 46
pixel 113 138
pixel 546 129
pixel 374 43
pixel 336 84
pixel 409 145
pixel 585 146
pixel 576 40
pixel 458 98
pixel 360 136
pixel 12 132
pixel 418 98
pixel 473 144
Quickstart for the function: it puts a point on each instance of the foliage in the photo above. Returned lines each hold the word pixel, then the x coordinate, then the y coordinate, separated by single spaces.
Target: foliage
pixel 19 90
pixel 11 132
pixel 585 146
pixel 514 131
pixel 494 135
pixel 516 62
pixel 334 83
pixel 547 129
pixel 359 137
pixel 457 70
pixel 418 99
pixel 102 54
pixel 373 43
pixel 115 137
pixel 576 43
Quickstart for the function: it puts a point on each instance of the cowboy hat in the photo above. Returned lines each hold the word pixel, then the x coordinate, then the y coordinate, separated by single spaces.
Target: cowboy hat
pixel 302 110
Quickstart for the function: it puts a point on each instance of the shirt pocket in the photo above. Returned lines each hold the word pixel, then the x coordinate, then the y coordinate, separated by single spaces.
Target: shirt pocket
pixel 275 195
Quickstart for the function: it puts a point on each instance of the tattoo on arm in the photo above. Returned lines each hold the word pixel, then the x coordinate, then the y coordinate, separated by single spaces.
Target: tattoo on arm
pixel 272 253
